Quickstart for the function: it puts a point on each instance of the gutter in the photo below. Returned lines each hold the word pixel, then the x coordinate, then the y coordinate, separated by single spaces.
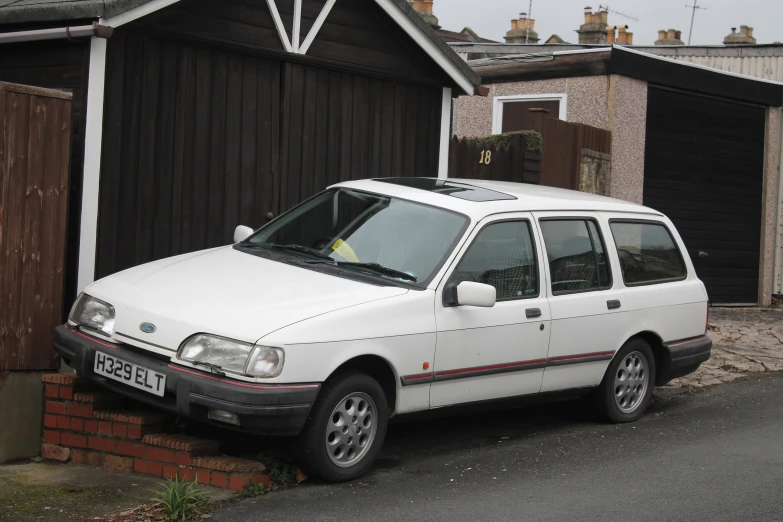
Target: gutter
pixel 70 33
pixel 777 255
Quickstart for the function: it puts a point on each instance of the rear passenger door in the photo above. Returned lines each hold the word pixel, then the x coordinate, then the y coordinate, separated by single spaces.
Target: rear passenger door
pixel 589 313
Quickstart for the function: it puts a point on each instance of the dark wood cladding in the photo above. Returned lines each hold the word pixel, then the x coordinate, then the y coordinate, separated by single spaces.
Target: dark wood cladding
pixel 468 159
pixel 704 168
pixel 58 64
pixel 356 36
pixel 341 126
pixel 198 140
pixel 35 137
pixel 191 142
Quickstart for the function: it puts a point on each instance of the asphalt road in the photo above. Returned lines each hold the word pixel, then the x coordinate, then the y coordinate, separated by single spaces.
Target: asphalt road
pixel 711 455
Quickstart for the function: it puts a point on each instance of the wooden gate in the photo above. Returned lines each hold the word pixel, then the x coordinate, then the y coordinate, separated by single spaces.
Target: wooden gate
pixel 564 144
pixel 509 159
pixel 35 132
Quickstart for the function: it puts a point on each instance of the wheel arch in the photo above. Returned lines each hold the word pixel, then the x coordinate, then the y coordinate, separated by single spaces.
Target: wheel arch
pixel 379 369
pixel 656 345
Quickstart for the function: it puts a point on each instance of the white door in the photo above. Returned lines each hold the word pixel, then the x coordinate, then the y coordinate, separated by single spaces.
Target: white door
pixel 586 296
pixel 488 353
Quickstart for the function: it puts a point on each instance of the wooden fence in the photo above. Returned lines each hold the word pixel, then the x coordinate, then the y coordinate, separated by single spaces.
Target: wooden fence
pixel 35 131
pixel 486 159
pixel 563 145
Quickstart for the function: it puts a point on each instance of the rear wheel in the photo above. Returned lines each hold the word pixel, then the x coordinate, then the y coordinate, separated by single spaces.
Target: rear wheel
pixel 346 428
pixel 626 389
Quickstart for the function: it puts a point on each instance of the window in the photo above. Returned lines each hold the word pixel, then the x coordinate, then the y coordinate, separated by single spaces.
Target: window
pixel 576 254
pixel 648 253
pixel 502 255
pixel 351 229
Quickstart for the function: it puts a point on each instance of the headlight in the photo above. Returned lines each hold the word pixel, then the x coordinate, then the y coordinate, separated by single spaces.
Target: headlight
pixel 232 356
pixel 94 314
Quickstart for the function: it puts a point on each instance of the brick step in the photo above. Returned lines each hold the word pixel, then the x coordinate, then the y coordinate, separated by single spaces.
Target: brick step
pixel 95 428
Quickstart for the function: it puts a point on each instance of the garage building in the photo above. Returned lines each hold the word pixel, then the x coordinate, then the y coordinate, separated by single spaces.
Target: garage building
pixel 192 117
pixel 700 145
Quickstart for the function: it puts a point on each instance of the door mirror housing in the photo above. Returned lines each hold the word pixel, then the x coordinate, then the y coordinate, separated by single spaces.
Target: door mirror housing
pixel 241 233
pixel 468 293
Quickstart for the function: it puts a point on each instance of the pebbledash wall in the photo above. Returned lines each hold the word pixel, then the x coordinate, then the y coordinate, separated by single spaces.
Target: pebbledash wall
pixel 619 104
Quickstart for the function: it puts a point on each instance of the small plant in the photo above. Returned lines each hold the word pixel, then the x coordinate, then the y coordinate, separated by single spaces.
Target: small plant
pixel 180 500
pixel 254 489
pixel 281 472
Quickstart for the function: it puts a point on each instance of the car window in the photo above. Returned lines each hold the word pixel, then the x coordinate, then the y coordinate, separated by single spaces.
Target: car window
pixel 502 255
pixel 577 256
pixel 352 228
pixel 648 253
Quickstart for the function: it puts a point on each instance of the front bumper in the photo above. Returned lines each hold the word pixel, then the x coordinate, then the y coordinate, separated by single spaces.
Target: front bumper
pixel 682 357
pixel 268 409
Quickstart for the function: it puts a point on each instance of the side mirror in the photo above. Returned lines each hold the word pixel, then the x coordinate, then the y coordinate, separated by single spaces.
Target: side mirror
pixel 241 233
pixel 468 293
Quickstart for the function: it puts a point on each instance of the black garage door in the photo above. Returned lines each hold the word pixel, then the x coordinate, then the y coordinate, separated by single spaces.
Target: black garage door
pixel 704 163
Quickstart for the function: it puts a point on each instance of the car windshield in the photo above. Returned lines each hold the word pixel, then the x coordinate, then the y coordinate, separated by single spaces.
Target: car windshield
pixel 370 233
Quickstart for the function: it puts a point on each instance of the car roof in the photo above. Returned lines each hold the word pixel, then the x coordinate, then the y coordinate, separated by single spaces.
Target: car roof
pixel 511 197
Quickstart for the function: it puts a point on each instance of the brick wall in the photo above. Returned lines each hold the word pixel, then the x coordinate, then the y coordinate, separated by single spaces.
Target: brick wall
pixel 99 428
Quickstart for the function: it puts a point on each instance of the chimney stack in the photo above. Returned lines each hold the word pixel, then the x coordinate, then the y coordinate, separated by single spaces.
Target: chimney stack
pixel 744 37
pixel 593 31
pixel 670 37
pixel 424 8
pixel 521 29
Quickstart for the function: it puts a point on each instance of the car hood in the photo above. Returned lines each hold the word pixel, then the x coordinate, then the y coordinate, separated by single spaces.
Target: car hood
pixel 224 292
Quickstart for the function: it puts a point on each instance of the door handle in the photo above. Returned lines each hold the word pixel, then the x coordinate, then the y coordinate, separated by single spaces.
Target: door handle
pixel 531 313
pixel 613 304
pixel 702 253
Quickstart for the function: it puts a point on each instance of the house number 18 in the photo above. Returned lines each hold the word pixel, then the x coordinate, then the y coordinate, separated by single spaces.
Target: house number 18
pixel 486 157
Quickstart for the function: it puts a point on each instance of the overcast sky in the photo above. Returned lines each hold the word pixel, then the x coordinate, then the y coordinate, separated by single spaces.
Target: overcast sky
pixel 492 18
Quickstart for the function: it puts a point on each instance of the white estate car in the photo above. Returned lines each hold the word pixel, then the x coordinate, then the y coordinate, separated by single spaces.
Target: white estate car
pixel 384 297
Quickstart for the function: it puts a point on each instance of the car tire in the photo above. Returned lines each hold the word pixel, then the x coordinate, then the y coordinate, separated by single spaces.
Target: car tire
pixel 626 389
pixel 345 429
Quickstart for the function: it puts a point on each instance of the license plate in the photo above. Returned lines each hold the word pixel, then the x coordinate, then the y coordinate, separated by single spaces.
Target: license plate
pixel 131 374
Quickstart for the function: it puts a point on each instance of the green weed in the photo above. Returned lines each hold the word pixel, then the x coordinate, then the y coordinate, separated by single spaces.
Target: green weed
pixel 180 500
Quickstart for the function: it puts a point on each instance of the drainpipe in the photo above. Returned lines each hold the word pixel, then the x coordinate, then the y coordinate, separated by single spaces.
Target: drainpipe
pixel 777 287
pixel 81 31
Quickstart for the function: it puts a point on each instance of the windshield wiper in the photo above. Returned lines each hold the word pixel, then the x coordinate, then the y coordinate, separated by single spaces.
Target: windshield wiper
pixel 214 368
pixel 288 248
pixel 373 267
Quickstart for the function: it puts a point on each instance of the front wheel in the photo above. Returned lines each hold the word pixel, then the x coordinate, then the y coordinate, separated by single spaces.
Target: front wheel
pixel 345 429
pixel 627 387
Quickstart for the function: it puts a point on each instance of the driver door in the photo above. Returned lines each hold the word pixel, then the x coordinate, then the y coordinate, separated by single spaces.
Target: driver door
pixel 489 353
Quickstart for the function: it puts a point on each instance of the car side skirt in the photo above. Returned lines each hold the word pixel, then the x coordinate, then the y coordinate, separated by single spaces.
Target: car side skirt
pixel 518 366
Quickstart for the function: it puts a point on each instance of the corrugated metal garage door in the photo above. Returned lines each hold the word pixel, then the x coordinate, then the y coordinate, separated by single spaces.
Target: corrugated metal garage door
pixel 704 168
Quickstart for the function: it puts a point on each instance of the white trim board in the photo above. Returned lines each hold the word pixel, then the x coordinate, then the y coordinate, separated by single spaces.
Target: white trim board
pixel 445 134
pixel 498 101
pixel 93 139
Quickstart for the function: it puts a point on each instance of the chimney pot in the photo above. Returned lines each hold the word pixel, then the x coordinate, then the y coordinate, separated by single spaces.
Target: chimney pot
pixel 750 31
pixel 662 34
pixel 622 36
pixel 672 34
pixel 733 30
pixel 514 24
pixel 531 23
pixel 629 38
pixel 604 17
pixel 588 17
pixel 610 35
pixel 678 35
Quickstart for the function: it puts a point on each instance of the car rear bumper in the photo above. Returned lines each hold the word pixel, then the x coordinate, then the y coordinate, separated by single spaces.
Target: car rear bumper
pixel 683 357
pixel 268 409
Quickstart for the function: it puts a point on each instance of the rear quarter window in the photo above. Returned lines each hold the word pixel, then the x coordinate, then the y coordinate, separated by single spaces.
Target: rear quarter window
pixel 648 253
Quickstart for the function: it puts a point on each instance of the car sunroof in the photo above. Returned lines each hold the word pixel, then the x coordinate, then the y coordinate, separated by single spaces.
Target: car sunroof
pixel 449 188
